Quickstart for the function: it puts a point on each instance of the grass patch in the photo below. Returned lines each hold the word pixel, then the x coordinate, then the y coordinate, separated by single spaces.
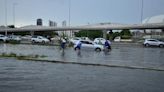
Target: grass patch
pixel 14 42
pixel 14 55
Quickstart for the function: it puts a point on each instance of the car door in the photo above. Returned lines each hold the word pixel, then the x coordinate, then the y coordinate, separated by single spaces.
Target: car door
pixel 153 42
pixel 39 39
pixel 87 45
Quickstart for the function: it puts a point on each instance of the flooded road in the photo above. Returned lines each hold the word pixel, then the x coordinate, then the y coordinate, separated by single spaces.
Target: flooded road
pixel 30 76
pixel 121 55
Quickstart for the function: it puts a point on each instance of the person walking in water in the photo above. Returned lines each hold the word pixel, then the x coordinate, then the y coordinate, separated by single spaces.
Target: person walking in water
pixel 77 45
pixel 107 45
pixel 63 43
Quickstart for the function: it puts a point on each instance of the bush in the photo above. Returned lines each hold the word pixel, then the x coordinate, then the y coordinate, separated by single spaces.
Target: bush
pixel 125 37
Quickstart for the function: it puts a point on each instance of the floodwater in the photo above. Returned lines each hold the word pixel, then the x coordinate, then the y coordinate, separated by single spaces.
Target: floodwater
pixel 30 76
pixel 121 55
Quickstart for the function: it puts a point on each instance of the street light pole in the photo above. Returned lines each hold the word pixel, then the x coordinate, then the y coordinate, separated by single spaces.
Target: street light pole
pixel 142 5
pixel 6 16
pixel 142 12
pixel 70 16
pixel 14 4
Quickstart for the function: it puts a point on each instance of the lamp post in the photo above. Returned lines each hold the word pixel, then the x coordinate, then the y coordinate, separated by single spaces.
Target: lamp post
pixel 69 12
pixel 14 4
pixel 142 6
pixel 6 16
pixel 142 12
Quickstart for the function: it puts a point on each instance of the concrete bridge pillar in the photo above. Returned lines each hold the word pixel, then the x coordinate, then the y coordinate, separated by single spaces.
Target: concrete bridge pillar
pixel 104 34
pixel 31 33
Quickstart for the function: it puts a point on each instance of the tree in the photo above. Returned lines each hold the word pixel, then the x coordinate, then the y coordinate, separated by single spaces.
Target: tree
pixel 125 34
pixel 11 26
pixel 89 33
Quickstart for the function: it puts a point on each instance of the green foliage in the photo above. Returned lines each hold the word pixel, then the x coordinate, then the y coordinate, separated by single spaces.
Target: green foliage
pixel 113 35
pixel 89 33
pixel 125 34
pixel 11 26
pixel 46 33
pixel 13 42
pixel 14 55
pixel 22 33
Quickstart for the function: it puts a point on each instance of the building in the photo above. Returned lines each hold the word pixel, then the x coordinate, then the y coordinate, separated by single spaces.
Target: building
pixel 66 33
pixel 39 22
pixel 154 19
pixel 52 23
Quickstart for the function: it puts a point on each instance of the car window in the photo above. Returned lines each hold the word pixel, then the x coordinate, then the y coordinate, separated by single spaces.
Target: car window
pixel 86 42
pixel 152 40
pixel 40 37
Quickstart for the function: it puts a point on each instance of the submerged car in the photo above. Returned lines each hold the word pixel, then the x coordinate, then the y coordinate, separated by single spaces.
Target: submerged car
pixel 14 38
pixel 74 40
pixel 99 40
pixel 39 39
pixel 3 38
pixel 90 45
pixel 153 42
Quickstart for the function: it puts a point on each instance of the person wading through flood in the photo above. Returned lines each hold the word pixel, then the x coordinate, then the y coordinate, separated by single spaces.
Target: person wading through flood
pixel 77 45
pixel 63 43
pixel 107 45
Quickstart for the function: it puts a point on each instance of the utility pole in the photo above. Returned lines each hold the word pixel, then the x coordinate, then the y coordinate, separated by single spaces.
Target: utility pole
pixel 142 12
pixel 142 6
pixel 6 16
pixel 69 11
pixel 14 4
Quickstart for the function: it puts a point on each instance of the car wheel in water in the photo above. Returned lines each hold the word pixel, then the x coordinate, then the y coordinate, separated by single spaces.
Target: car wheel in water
pixel 98 49
pixel 161 45
pixel 33 41
pixel 147 45
pixel 43 42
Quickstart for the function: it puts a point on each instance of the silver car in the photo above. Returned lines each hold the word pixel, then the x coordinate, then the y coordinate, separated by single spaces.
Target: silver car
pixel 153 42
pixel 90 45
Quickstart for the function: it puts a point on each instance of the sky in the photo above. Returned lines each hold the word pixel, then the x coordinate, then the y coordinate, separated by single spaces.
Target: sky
pixel 82 12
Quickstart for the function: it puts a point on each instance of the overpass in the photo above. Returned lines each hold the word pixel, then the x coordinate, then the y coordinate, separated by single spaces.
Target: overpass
pixel 100 27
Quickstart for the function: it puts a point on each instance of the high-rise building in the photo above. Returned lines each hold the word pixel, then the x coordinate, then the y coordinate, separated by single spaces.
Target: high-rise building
pixel 39 22
pixel 55 24
pixel 64 24
pixel 51 23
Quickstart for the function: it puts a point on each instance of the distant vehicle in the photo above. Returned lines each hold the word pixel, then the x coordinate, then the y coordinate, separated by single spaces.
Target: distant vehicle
pixel 56 38
pixel 90 45
pixel 117 39
pixel 3 38
pixel 99 40
pixel 26 37
pixel 75 39
pixel 153 42
pixel 85 38
pixel 39 39
pixel 14 38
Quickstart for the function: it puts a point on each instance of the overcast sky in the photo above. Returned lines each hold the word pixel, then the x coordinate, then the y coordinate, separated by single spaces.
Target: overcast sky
pixel 82 11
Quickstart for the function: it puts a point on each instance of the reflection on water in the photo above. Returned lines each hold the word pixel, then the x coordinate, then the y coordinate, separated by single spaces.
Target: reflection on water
pixel 79 53
pixel 119 55
pixel 23 76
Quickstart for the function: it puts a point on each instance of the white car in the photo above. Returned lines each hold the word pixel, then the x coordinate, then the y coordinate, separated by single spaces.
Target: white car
pixel 90 45
pixel 75 39
pixel 99 40
pixel 153 42
pixel 3 38
pixel 39 39
pixel 26 37
pixel 14 38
